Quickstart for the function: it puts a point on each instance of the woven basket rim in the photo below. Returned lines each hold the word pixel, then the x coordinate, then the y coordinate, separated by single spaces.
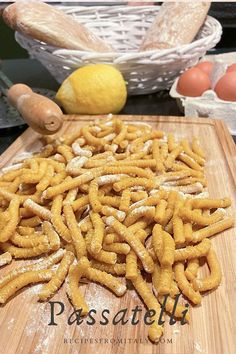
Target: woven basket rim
pixel 162 52
pixel 153 51
pixel 111 8
pixel 122 55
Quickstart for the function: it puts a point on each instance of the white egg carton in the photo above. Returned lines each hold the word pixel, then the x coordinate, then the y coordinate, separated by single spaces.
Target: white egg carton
pixel 209 105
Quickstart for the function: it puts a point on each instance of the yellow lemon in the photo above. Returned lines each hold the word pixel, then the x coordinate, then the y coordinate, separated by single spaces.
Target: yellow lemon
pixel 93 89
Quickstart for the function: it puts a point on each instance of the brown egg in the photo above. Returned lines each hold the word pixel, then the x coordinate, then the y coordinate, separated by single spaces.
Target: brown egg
pixel 205 66
pixel 226 87
pixel 231 68
pixel 193 82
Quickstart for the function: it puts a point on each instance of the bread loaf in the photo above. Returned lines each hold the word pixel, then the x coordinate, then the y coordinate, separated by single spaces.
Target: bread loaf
pixel 177 23
pixel 51 25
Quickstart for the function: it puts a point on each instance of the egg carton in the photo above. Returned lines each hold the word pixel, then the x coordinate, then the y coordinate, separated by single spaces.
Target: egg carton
pixel 209 105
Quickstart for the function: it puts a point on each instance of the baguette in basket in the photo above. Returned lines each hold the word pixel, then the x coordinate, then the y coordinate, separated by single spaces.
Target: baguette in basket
pixel 177 23
pixel 48 24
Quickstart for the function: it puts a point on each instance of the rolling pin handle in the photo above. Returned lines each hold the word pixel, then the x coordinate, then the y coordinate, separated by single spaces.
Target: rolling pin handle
pixel 40 113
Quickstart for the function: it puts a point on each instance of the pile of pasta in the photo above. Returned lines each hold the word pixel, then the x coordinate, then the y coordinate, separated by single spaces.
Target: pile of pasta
pixel 111 203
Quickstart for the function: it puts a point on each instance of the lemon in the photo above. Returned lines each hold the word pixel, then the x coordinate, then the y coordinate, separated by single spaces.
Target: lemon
pixel 93 89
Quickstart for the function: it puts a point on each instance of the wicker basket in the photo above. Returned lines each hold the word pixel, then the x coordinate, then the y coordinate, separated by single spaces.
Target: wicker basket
pixel 124 28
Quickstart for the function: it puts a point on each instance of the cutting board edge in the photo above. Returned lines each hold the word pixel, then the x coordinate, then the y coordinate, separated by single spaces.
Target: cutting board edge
pixel 142 117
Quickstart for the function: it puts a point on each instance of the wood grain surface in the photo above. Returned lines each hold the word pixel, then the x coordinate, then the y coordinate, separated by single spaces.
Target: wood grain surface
pixel 24 322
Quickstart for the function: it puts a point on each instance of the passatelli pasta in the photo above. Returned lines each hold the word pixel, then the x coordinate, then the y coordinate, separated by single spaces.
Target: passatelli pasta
pixel 112 203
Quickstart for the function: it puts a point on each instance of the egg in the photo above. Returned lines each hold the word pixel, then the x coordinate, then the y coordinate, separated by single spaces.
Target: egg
pixel 226 87
pixel 205 66
pixel 231 68
pixel 193 82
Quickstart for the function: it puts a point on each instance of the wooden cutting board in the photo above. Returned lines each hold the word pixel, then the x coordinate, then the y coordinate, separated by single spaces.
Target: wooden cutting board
pixel 24 322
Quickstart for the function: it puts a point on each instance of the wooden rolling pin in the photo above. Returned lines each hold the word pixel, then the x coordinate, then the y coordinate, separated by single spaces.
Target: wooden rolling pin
pixel 40 113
